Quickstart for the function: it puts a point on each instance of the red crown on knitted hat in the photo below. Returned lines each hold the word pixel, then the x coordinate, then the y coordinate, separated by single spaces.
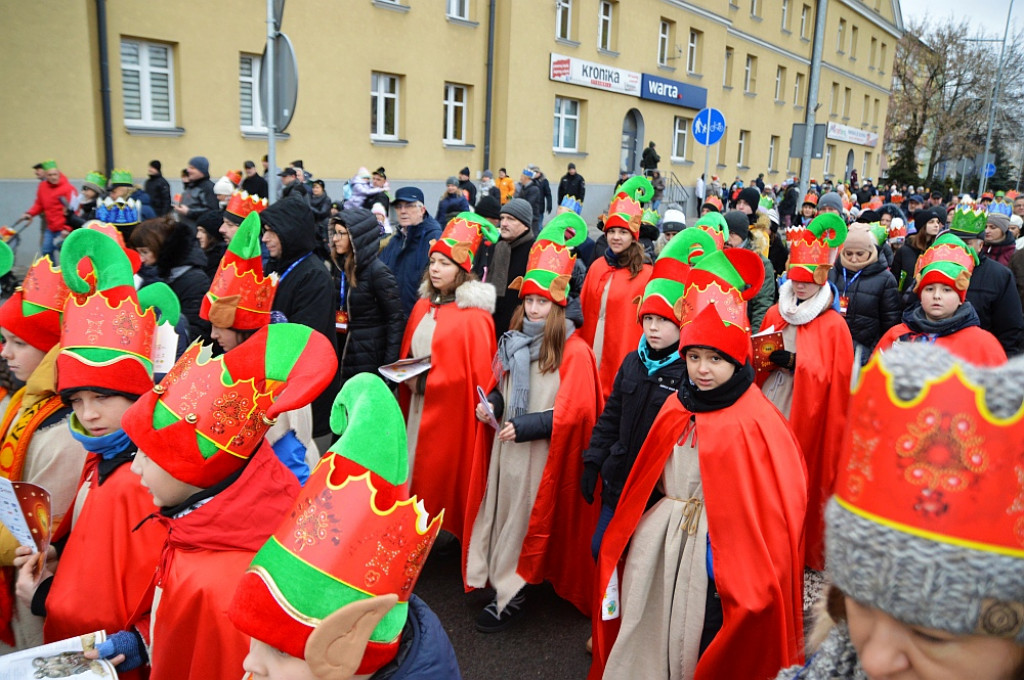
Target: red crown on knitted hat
pixel 550 262
pixel 462 237
pixel 240 296
pixel 810 251
pixel 241 204
pixel 33 312
pixel 625 210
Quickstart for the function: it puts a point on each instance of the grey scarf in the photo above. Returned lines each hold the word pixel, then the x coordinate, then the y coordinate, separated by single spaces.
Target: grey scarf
pixel 516 349
pixel 836 659
pixel 498 274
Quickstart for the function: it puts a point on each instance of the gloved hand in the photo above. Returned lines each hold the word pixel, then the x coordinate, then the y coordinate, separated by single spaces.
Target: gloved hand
pixel 589 481
pixel 126 642
pixel 783 359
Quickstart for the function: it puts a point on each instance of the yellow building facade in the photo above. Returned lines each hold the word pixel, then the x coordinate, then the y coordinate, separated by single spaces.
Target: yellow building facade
pixel 403 84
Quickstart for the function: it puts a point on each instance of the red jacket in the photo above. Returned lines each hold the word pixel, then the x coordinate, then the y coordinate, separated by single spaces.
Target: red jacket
pixel 48 202
pixel 973 344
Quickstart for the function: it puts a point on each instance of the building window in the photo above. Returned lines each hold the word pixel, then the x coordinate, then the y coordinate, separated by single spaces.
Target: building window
pixel 847 97
pixel 741 149
pixel 873 53
pixel 750 74
pixel 383 106
pixel 867 105
pixel 834 100
pixel 755 8
pixel 780 82
pixel 679 134
pixel 727 71
pixel 841 35
pixel 881 60
pixel 567 122
pixel 773 148
pixel 874 115
pixel 693 52
pixel 458 9
pixel 250 115
pixel 454 114
pixel 865 170
pixel 853 42
pixel 830 151
pixel 563 19
pixel 805 20
pixel 785 15
pixel 604 25
pixel 798 90
pixel 723 144
pixel 664 41
pixel 147 80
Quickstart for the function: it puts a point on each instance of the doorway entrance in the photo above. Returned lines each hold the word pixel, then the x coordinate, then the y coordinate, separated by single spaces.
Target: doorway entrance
pixel 632 141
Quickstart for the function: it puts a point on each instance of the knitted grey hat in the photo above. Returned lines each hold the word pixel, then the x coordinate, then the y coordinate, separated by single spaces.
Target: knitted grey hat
pixel 831 200
pixel 520 209
pixel 927 521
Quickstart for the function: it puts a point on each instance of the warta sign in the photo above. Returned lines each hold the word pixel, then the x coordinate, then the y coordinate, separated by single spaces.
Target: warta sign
pixel 673 92
pixel 590 74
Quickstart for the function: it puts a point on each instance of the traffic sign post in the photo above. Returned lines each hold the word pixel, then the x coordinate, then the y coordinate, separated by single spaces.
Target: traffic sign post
pixel 708 130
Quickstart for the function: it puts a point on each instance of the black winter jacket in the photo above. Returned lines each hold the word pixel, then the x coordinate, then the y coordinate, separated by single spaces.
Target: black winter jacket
pixel 255 185
pixel 904 260
pixel 181 264
pixel 159 194
pixel 993 292
pixel 199 198
pixel 508 299
pixel 375 318
pixel 628 414
pixel 874 302
pixel 531 192
pixel 572 185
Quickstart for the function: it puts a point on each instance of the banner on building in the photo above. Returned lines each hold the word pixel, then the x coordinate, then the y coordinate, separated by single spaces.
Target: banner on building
pixel 673 92
pixel 845 133
pixel 590 74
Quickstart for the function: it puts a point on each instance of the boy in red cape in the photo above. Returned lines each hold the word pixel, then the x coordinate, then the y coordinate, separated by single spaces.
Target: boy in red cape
pixel 712 584
pixel 219 489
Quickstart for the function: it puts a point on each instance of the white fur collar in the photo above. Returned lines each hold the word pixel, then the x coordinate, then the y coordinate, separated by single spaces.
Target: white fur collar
pixel 471 294
pixel 796 313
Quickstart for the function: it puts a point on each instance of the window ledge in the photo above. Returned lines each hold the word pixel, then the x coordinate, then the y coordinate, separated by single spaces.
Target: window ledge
pixel 786 31
pixel 805 39
pixel 606 52
pixel 694 74
pixel 569 153
pixel 264 134
pixel 393 6
pixel 666 67
pixel 385 141
pixel 756 18
pixel 458 146
pixel 742 167
pixel 733 5
pixel 726 87
pixel 721 165
pixel 567 41
pixel 874 127
pixel 798 107
pixel 154 131
pixel 681 161
pixel 846 119
pixel 459 21
pixel 749 94
pixel 853 58
pixel 780 102
pixel 840 52
pixel 871 68
pixel 773 172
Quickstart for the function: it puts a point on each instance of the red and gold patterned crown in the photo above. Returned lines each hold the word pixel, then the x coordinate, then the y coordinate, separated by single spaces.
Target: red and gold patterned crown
pixel 810 252
pixel 44 286
pixel 945 252
pixel 240 296
pixel 241 204
pixel 551 259
pixel 625 212
pixel 462 237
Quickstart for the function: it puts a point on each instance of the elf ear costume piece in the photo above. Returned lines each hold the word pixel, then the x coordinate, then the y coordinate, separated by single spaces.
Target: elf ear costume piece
pixel 462 237
pixel 927 520
pixel 108 338
pixel 33 312
pixel 714 307
pixel 810 251
pixel 209 414
pixel 668 280
pixel 949 261
pixel 715 225
pixel 551 259
pixel 625 211
pixel 240 297
pixel 332 584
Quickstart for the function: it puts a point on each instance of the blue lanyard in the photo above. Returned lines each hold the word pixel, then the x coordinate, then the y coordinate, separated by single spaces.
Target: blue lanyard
pixel 342 286
pixel 847 284
pixel 289 270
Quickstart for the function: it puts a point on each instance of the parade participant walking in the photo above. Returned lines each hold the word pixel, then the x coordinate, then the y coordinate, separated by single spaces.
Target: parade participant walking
pixel 810 383
pixel 346 625
pixel 507 185
pixel 54 197
pixel 926 567
pixel 527 524
pixel 453 201
pixel 100 373
pixel 158 189
pixel 615 281
pixel 368 309
pixel 198 196
pixel 710 574
pixel 408 249
pixel 238 208
pixel 928 224
pixel 451 323
pixel 1000 245
pixel 572 184
pixel 943 317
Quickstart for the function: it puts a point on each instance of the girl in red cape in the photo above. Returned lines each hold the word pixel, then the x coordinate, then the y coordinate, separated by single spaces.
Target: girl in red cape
pixel 810 381
pixel 452 324
pixel 616 282
pixel 943 317
pixel 711 587
pixel 526 521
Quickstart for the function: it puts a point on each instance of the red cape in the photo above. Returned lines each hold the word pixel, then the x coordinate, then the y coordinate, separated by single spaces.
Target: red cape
pixel 205 554
pixel 973 344
pixel 821 394
pixel 754 480
pixel 461 351
pixel 621 330
pixel 557 543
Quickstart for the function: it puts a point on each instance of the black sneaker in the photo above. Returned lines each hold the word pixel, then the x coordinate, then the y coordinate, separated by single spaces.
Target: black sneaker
pixel 490 621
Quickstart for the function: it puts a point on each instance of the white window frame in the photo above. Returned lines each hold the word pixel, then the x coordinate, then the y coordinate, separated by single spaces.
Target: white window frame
pixel 563 16
pixel 864 167
pixel 664 41
pixel 881 58
pixel 755 8
pixel 680 131
pixel 785 15
pixel 692 51
pixel 854 34
pixel 730 55
pixel 798 82
pixel 772 150
pixel 259 123
pixel 780 82
pixel 458 9
pixel 804 12
pixel 741 148
pixel 749 73
pixel 562 115
pixel 840 35
pixel 379 98
pixel 829 153
pixel 605 17
pixel 145 72
pixel 452 105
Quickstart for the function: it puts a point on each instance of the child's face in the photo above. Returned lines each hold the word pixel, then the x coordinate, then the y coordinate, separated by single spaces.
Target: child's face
pixel 939 301
pixel 165 489
pixel 809 210
pixel 805 290
pixel 537 307
pixel 22 358
pixel 707 368
pixel 660 332
pixel 99 414
pixel 263 662
pixel 227 338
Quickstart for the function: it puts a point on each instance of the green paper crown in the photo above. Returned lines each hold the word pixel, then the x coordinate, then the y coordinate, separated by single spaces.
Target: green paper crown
pixel 96 179
pixel 969 220
pixel 49 164
pixel 557 230
pixel 6 258
pixel 880 233
pixel 766 202
pixel 650 217
pixel 120 177
pixel 551 259
pixel 715 221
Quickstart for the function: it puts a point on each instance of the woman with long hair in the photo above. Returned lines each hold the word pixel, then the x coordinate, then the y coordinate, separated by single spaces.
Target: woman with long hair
pixel 615 282
pixel 928 223
pixel 526 522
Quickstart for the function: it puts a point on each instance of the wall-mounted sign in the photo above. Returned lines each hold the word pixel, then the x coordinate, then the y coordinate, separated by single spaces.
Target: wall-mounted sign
pixel 590 74
pixel 845 133
pixel 673 92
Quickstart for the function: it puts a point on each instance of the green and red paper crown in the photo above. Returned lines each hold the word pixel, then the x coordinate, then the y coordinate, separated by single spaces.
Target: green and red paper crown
pixel 108 338
pixel 713 308
pixel 209 414
pixel 897 228
pixel 969 219
pixel 242 204
pixel 240 297
pixel 810 250
pixel 96 181
pixel 354 533
pixel 119 177
pixel 650 217
pixel 766 202
pixel 33 312
pixel 625 210
pixel 462 237
pixel 714 224
pixel 551 259
pixel 668 280
pixel 949 261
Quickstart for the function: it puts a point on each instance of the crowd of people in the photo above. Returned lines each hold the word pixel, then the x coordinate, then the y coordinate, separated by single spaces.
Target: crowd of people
pixel 255 418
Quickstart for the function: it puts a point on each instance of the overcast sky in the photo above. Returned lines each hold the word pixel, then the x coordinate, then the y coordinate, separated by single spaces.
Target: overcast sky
pixel 988 15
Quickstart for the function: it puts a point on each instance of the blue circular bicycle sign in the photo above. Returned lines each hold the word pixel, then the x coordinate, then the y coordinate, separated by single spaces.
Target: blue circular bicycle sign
pixel 708 126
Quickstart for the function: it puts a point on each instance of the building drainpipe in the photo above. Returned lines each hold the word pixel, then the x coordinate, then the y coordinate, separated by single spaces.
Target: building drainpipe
pixel 490 84
pixel 108 131
pixel 812 95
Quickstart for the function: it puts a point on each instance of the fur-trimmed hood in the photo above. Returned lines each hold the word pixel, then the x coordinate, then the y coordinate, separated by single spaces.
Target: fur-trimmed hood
pixel 471 294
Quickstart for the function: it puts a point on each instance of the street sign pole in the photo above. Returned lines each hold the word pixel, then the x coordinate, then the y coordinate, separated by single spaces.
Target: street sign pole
pixel 707 156
pixel 268 111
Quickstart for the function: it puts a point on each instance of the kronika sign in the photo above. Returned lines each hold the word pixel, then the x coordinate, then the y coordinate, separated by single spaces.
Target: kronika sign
pixel 590 74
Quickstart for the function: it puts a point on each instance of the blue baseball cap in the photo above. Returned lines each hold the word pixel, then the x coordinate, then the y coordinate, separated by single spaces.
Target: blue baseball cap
pixel 409 195
pixel 916 198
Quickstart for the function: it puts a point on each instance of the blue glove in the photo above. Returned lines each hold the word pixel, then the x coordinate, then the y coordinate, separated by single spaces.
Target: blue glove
pixel 127 642
pixel 292 453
